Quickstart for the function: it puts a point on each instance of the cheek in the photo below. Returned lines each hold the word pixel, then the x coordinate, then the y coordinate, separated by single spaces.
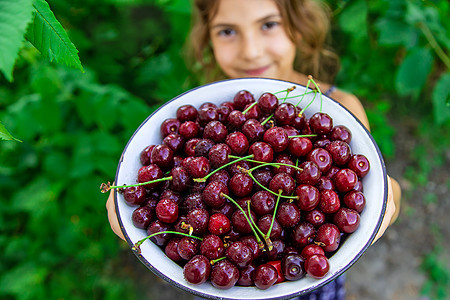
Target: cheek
pixel 224 55
pixel 284 49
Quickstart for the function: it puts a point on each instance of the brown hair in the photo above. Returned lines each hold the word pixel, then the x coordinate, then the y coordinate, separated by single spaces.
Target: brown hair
pixel 309 18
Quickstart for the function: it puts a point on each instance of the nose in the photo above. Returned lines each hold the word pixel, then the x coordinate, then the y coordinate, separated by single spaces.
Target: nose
pixel 252 46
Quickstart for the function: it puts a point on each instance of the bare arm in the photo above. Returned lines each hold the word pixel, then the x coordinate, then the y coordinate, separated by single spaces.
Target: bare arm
pixel 394 191
pixel 353 105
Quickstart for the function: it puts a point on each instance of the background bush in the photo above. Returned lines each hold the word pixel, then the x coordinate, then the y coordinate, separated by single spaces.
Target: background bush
pixel 55 239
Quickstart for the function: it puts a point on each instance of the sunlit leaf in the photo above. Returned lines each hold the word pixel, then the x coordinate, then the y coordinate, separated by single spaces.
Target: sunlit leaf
pixel 154 68
pixel 415 12
pixel 441 99
pixel 179 6
pixel 49 37
pixel 25 275
pixel 395 32
pixel 418 15
pixel 5 135
pixel 14 17
pixel 413 72
pixel 36 196
pixel 353 19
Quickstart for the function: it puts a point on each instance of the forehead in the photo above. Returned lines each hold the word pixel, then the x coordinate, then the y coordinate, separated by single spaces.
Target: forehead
pixel 241 11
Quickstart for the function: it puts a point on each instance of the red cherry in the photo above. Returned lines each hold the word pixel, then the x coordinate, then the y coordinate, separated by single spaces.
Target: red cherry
pixel 149 173
pixel 321 123
pixel 311 250
pixel 237 142
pixel 300 146
pixel 186 112
pixel 277 138
pixel 277 265
pixel 265 276
pixel 261 152
pixel 197 270
pixel 267 103
pixel 219 224
pixel 346 219
pixel 167 211
pixel 317 266
pixel 345 180
pixel 359 164
pixel 329 237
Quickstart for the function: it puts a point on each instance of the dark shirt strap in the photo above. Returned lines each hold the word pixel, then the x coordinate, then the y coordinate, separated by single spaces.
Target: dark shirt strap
pixel 330 91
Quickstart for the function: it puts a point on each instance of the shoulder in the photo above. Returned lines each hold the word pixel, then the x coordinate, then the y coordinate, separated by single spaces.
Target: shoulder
pixel 352 103
pixel 348 100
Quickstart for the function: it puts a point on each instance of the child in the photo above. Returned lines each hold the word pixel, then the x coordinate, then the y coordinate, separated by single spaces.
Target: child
pixel 280 39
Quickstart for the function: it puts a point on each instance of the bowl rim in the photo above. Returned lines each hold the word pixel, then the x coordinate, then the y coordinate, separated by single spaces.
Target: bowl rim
pixel 186 288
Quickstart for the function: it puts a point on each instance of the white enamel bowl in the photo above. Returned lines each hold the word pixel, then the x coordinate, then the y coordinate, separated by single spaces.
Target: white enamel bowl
pixel 375 189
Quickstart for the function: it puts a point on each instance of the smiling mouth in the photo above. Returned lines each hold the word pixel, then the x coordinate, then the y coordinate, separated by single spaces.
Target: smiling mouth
pixel 257 71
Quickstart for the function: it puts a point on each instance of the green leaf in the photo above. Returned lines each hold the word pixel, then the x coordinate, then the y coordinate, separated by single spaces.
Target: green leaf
pixel 353 19
pixel 5 135
pixel 441 99
pixel 49 37
pixel 418 15
pixel 14 18
pixel 413 72
pixel 415 12
pixel 37 196
pixel 395 32
pixel 24 275
pixel 21 114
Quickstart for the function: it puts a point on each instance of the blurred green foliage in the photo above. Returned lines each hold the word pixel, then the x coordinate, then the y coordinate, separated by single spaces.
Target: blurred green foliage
pixel 437 284
pixel 55 239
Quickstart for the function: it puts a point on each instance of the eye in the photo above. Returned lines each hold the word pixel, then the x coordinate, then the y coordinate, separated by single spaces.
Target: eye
pixel 269 25
pixel 226 32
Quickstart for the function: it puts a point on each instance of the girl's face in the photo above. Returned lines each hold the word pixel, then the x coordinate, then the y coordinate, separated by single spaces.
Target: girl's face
pixel 249 40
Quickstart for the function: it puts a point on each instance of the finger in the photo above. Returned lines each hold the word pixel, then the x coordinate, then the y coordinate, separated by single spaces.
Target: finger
pixel 397 193
pixel 112 216
pixel 389 213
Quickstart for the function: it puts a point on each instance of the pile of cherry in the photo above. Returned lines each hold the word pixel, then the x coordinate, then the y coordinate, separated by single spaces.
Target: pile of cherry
pixel 208 194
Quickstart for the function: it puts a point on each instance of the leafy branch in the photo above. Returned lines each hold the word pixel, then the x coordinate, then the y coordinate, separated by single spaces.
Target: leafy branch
pixel 34 21
pixel 434 44
pixel 5 135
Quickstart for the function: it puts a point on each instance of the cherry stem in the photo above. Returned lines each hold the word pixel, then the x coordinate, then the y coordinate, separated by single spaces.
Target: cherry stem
pixel 267 236
pixel 137 245
pixel 305 93
pixel 320 92
pixel 287 93
pixel 261 162
pixel 284 100
pixel 251 219
pixel 203 179
pixel 105 187
pixel 288 90
pixel 309 104
pixel 298 103
pixel 277 165
pixel 266 120
pixel 302 135
pixel 243 211
pixel 262 186
pixel 249 107
pixel 213 261
pixel 300 95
